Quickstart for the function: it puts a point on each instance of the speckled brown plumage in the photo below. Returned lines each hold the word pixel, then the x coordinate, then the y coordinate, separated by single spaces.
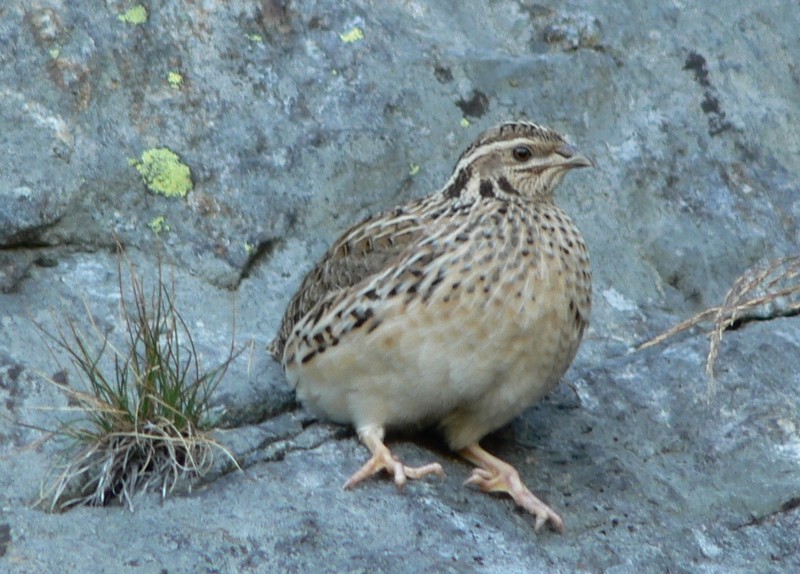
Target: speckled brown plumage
pixel 460 309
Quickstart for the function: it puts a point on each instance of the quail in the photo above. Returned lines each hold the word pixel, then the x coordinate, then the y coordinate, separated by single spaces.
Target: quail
pixel 457 310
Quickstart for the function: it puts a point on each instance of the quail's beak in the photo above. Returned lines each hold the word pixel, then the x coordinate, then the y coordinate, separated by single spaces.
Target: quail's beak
pixel 573 158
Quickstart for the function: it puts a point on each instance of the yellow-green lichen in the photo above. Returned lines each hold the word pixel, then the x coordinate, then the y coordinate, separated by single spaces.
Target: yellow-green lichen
pixel 159 224
pixel 353 35
pixel 175 79
pixel 249 248
pixel 256 38
pixel 413 169
pixel 54 53
pixel 464 123
pixel 136 15
pixel 163 172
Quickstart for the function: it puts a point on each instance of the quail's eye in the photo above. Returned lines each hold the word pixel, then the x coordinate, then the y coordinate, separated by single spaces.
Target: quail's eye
pixel 522 153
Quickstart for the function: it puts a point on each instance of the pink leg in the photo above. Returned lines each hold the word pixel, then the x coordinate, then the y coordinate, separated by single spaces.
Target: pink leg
pixel 494 475
pixel 383 459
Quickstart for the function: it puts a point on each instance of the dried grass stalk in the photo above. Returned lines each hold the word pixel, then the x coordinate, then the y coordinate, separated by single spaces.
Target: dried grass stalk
pixel 762 292
pixel 145 406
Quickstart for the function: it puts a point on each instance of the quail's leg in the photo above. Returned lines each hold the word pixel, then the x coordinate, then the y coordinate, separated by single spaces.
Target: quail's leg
pixel 383 459
pixel 494 475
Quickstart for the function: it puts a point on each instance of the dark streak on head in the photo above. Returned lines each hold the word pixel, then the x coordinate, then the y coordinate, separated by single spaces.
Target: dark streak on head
pixel 506 186
pixel 486 188
pixel 453 191
pixel 512 129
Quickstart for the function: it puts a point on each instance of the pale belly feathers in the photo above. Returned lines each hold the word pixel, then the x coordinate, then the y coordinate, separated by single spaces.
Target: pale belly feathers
pixel 494 336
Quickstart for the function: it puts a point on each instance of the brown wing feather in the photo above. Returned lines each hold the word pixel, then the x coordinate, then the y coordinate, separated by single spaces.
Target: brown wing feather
pixel 363 250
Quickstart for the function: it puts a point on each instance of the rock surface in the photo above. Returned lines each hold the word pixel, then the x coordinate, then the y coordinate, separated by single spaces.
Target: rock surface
pixel 295 119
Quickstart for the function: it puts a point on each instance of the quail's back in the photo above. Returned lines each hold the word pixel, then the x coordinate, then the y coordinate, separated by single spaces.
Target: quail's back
pixel 460 309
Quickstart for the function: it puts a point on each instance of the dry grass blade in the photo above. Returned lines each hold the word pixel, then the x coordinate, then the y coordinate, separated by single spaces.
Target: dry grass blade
pixel 679 328
pixel 117 466
pixel 771 287
pixel 145 407
pixel 761 292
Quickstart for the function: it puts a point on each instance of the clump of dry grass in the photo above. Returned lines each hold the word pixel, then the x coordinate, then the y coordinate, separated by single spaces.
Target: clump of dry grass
pixel 761 292
pixel 145 404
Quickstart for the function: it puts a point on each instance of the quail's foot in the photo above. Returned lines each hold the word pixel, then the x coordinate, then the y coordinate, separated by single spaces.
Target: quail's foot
pixel 494 475
pixel 383 459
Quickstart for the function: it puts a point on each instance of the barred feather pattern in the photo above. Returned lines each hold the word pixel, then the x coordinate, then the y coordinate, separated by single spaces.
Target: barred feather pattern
pixel 459 309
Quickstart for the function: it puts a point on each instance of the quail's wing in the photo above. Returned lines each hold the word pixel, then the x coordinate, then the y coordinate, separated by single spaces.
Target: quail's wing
pixel 363 250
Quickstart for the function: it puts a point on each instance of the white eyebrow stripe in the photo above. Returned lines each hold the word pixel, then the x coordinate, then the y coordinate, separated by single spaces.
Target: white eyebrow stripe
pixel 490 148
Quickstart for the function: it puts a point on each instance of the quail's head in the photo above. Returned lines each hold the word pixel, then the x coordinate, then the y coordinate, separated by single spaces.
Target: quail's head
pixel 522 158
